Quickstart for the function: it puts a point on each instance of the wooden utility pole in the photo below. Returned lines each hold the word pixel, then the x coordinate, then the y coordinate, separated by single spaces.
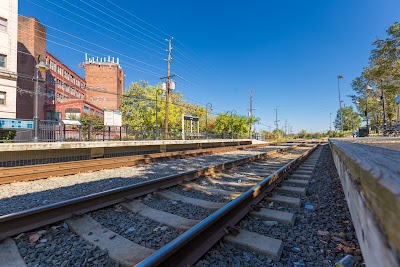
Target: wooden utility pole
pixel 276 118
pixel 167 87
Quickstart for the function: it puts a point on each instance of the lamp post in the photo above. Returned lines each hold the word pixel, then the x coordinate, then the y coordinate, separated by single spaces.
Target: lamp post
pixel 208 106
pixel 41 66
pixel 340 102
pixel 330 121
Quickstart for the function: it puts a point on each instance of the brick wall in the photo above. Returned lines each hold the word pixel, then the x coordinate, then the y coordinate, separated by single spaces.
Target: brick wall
pixel 104 84
pixel 32 43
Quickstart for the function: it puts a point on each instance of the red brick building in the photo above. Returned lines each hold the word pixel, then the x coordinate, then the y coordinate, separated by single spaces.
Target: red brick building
pixel 64 94
pixel 104 82
pixel 31 46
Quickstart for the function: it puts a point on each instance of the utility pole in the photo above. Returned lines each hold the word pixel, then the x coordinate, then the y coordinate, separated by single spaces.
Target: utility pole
pixel 168 77
pixel 276 119
pixel 250 111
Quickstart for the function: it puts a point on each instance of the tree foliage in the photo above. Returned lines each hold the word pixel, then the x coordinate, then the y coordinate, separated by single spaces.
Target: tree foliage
pixel 351 119
pixel 139 109
pixel 383 75
pixel 139 112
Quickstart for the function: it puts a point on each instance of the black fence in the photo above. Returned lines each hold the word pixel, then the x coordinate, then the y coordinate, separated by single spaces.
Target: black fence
pixel 57 131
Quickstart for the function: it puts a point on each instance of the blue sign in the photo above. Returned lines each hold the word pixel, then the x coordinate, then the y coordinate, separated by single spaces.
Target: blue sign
pixel 15 124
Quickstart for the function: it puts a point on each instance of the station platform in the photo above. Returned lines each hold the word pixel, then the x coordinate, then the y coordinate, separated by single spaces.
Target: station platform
pixel 369 170
pixel 21 154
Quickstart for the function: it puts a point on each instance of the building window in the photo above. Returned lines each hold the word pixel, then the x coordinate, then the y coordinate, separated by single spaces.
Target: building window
pixel 3 60
pixel 52 66
pixel 2 98
pixel 3 24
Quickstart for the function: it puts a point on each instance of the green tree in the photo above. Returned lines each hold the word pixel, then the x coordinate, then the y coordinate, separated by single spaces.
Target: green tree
pixel 383 74
pixel 139 109
pixel 226 122
pixel 351 119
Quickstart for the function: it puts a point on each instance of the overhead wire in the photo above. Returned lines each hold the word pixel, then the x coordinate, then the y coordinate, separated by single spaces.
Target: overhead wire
pixel 123 22
pixel 99 32
pixel 109 23
pixel 188 67
pixel 103 48
pixel 81 39
pixel 101 26
pixel 137 18
pixel 89 28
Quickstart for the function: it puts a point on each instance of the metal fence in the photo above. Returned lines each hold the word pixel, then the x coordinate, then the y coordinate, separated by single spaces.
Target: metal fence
pixel 57 131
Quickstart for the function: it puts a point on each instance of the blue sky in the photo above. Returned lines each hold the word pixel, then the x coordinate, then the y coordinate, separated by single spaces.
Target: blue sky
pixel 288 52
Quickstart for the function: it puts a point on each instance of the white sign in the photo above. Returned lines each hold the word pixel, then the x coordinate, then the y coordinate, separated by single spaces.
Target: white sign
pixel 113 118
pixel 72 122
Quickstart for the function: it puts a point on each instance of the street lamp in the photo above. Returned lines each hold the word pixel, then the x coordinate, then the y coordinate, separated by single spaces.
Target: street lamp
pixel 340 102
pixel 208 106
pixel 41 66
pixel 330 121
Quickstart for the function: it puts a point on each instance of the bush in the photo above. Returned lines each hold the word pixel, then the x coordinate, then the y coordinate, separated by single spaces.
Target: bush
pixel 7 134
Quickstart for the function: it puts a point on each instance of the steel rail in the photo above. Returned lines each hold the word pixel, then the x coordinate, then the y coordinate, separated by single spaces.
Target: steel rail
pixel 35 172
pixel 18 222
pixel 189 247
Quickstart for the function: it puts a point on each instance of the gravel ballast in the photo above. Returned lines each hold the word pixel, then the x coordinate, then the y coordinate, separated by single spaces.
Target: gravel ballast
pixel 57 246
pixel 136 228
pixel 320 237
pixel 25 195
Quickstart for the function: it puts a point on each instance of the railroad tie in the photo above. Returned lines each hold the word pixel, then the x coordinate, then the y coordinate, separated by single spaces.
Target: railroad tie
pixel 194 201
pixel 9 254
pixel 159 216
pixel 298 182
pixel 208 190
pixel 291 190
pixel 274 215
pixel 215 181
pixel 264 245
pixel 120 249
pixel 302 172
pixel 300 176
pixel 290 201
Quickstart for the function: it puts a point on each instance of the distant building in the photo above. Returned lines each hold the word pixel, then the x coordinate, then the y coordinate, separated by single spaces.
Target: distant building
pixel 104 82
pixel 8 58
pixel 65 92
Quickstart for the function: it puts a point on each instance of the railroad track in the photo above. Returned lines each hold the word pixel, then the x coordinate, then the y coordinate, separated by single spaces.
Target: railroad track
pixel 184 214
pixel 35 172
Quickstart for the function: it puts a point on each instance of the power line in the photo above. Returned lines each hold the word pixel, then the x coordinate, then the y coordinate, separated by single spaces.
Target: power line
pixel 138 18
pixel 99 32
pixel 157 40
pixel 109 23
pixel 88 49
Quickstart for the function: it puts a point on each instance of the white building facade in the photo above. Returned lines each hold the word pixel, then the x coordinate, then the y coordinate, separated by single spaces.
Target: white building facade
pixel 8 58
